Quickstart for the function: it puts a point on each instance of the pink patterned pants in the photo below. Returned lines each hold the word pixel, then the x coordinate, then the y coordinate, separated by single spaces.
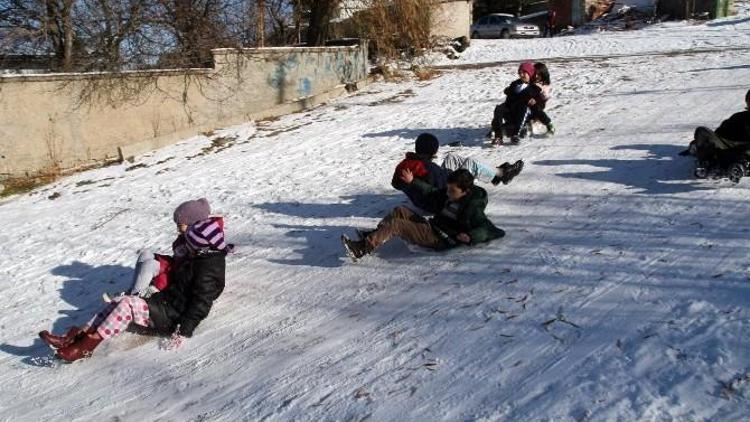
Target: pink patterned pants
pixel 119 314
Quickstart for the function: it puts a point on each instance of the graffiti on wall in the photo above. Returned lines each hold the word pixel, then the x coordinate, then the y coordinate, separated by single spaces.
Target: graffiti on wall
pixel 297 74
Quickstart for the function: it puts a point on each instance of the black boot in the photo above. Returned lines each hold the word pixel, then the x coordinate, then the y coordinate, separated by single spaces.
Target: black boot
pixel 509 171
pixel 355 248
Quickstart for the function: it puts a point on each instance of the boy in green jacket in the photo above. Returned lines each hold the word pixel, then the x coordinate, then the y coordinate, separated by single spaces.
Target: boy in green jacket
pixel 459 221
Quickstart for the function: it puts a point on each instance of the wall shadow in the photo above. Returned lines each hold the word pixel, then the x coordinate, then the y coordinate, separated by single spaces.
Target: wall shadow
pixel 728 22
pixel 654 174
pixel 83 290
pixel 468 136
pixel 321 245
pixel 744 66
pixel 365 205
pixel 672 91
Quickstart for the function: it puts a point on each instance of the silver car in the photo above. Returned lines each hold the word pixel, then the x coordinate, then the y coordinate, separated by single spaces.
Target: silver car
pixel 502 25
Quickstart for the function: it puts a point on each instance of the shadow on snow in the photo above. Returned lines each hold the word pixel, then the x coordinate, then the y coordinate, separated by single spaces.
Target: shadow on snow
pixel 653 174
pixel 83 291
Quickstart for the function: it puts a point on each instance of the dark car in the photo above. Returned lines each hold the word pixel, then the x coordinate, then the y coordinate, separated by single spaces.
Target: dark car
pixel 501 25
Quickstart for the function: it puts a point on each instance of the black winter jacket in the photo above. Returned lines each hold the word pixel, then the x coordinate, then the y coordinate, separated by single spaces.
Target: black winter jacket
pixel 736 128
pixel 194 284
pixel 511 96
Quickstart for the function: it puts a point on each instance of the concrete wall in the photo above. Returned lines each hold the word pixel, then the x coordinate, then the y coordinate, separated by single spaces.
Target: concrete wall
pixel 452 19
pixel 60 122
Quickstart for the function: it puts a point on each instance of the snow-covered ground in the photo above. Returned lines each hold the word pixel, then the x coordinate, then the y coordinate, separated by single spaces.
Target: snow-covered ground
pixel 621 291
pixel 663 38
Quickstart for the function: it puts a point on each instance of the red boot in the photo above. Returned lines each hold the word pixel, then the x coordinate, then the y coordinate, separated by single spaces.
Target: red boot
pixel 83 347
pixel 60 341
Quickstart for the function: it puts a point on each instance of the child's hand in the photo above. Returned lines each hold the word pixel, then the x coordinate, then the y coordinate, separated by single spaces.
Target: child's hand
pixel 174 342
pixel 463 238
pixel 532 102
pixel 407 176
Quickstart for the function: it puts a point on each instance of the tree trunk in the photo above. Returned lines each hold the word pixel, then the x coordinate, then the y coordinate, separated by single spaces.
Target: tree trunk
pixel 262 23
pixel 67 21
pixel 321 13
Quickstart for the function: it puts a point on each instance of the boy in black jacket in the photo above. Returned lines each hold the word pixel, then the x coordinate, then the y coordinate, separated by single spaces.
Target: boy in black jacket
pixel 728 144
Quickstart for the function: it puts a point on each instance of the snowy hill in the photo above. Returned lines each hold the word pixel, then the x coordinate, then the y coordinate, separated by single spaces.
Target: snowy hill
pixel 621 291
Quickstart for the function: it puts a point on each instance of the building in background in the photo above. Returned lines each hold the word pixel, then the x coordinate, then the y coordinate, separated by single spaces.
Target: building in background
pixel 452 18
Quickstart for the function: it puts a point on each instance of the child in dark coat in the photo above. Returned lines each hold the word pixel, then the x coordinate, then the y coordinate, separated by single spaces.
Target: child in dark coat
pixel 152 269
pixel 729 143
pixel 509 117
pixel 196 279
pixel 459 221
pixel 422 167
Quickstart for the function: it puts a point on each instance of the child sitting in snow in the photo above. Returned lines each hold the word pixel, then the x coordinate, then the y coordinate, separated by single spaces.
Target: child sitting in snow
pixel 525 92
pixel 195 279
pixel 509 115
pixel 459 219
pixel 152 269
pixel 726 148
pixel 538 102
pixel 422 167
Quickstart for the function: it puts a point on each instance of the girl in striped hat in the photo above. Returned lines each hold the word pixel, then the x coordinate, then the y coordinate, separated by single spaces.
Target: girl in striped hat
pixel 195 281
pixel 152 269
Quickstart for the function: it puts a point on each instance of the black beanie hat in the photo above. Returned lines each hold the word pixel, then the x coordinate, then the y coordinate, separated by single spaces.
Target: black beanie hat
pixel 427 144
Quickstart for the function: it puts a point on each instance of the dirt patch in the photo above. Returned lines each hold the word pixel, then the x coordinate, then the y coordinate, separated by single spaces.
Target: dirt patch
pixel 137 166
pixel 23 185
pixel 400 97
pixel 217 144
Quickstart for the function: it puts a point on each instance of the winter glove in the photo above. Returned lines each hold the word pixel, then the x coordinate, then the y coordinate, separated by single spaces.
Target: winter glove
pixel 174 342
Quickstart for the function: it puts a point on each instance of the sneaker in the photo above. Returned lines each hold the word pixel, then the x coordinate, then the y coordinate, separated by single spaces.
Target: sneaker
pixel 515 140
pixel 356 249
pixel 550 129
pixel 497 141
pixel 510 171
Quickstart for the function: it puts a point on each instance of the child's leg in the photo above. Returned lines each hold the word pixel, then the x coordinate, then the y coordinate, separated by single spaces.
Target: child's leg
pixel 146 268
pixel 97 319
pixel 128 309
pixel 515 118
pixel 406 224
pixel 539 114
pixel 497 120
pixel 707 137
pixel 481 171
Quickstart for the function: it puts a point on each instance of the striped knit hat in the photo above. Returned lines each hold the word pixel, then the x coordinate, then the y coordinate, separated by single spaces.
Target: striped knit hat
pixel 207 234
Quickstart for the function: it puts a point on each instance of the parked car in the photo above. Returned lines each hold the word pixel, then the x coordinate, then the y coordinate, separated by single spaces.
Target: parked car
pixel 503 25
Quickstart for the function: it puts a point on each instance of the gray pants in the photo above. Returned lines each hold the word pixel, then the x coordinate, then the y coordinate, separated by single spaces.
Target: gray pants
pixel 146 268
pixel 453 162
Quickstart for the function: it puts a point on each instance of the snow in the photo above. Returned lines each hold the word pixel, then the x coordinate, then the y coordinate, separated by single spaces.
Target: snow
pixel 658 39
pixel 620 292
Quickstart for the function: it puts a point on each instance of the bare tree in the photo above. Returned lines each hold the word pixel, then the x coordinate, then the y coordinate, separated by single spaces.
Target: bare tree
pixel 195 27
pixel 45 24
pixel 321 12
